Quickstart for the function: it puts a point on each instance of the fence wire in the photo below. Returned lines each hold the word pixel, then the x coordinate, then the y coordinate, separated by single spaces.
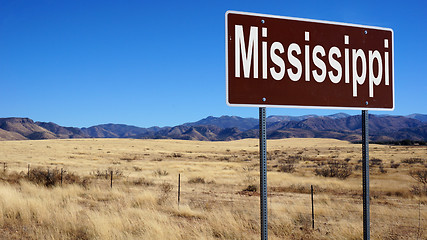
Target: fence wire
pixel 321 217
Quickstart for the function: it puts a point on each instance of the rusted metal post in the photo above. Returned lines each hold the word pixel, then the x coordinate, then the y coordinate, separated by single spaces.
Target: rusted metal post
pixel 312 208
pixel 179 188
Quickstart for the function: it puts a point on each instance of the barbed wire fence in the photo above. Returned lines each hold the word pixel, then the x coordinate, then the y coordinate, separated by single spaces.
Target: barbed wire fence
pixel 328 215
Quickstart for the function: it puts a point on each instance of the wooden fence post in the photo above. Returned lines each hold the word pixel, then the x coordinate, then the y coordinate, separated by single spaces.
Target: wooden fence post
pixel 111 183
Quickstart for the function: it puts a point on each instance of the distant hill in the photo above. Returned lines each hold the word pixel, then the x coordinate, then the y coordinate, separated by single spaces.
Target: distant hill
pixel 349 128
pixel 23 128
pixel 120 130
pixel 338 126
pixel 421 117
pixel 275 118
pixel 227 122
pixel 117 131
pixel 63 132
pixel 7 135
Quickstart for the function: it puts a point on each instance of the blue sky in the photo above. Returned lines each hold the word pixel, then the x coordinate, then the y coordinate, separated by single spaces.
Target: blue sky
pixel 148 63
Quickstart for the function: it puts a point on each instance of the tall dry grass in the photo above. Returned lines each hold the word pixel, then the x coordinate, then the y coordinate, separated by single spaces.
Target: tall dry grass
pixel 143 201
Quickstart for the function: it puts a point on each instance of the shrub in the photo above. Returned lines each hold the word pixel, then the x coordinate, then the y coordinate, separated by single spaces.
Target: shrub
pixel 196 180
pixel 287 168
pixel 12 177
pixel 419 175
pixel 116 172
pixel 142 181
pixel 294 158
pixel 165 189
pixel 413 161
pixel 70 178
pixel 106 173
pixel 335 168
pixel 137 169
pixel 251 188
pixel 100 173
pixel 394 165
pixel 42 177
pixel 160 173
pixel 85 182
pixel 129 158
pixel 419 190
pixel 49 177
pixel 375 161
pixel 382 170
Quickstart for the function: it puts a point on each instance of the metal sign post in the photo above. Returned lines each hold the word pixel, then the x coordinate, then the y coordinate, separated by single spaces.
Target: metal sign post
pixel 263 172
pixel 365 174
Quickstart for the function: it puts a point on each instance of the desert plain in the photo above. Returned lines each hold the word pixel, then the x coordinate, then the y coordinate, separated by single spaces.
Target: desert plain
pixel 63 189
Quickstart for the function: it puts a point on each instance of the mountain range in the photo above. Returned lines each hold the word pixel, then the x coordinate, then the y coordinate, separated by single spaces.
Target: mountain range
pixel 382 128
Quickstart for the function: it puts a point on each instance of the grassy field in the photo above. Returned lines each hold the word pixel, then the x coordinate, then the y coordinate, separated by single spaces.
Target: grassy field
pixel 219 189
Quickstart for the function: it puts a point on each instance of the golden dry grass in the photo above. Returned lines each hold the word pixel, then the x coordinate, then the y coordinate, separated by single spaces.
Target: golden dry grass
pixel 143 201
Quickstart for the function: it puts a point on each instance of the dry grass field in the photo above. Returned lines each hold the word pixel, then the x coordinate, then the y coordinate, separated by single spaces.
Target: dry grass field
pixel 219 189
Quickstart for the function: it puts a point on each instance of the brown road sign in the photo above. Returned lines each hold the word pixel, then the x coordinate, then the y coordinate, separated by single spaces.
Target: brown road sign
pixel 275 61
